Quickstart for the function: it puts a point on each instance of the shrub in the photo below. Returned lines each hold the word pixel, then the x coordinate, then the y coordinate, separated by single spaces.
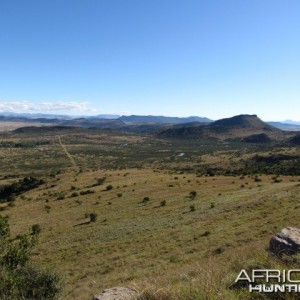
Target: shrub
pixel 100 181
pixel 18 279
pixel 93 217
pixel 87 192
pixel 192 208
pixel 193 194
pixel 163 203
pixel 206 233
pixel 47 208
pixel 36 229
pixel 146 199
pixel 109 187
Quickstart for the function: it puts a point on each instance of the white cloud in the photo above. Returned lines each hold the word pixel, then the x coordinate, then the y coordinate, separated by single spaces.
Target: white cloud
pixel 27 106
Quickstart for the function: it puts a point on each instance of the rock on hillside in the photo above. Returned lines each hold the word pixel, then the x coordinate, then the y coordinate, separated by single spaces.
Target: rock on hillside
pixel 286 242
pixel 117 293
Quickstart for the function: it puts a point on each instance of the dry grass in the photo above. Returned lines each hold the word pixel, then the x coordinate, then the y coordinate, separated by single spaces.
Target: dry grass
pixel 132 241
pixel 165 252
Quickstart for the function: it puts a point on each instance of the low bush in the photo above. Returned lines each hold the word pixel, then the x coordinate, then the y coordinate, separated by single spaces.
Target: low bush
pixel 18 278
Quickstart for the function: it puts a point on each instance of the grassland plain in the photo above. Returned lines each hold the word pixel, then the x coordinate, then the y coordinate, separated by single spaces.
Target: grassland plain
pixel 179 221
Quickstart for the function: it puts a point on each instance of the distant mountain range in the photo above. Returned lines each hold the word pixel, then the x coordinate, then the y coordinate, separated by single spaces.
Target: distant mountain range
pixel 164 126
pixel 286 126
pixel 162 119
pixel 241 128
pixel 55 116
pixel 291 122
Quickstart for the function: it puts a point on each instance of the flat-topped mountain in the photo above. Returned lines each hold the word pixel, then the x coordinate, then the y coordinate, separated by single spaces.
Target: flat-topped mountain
pixel 247 128
pixel 243 121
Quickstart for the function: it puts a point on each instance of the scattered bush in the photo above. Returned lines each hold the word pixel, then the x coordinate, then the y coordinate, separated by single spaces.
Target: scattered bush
pixel 109 187
pixel 206 233
pixel 100 181
pixel 93 217
pixel 86 192
pixel 146 199
pixel 47 208
pixel 192 208
pixel 163 203
pixel 36 229
pixel 192 194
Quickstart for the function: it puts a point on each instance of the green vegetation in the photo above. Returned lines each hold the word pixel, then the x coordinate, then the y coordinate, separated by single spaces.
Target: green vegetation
pixel 8 192
pixel 18 278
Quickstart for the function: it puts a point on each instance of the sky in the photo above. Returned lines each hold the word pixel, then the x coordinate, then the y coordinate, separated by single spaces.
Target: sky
pixel 209 58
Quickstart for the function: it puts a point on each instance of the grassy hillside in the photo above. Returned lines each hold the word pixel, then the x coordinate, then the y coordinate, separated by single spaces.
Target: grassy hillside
pixel 165 223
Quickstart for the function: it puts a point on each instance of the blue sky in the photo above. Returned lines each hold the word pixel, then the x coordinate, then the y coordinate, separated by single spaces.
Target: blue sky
pixel 211 58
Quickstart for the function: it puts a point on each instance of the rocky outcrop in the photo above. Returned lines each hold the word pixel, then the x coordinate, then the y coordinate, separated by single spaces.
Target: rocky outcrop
pixel 286 242
pixel 117 293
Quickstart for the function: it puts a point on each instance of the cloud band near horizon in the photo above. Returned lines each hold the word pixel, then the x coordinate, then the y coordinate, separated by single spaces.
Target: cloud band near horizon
pixel 28 106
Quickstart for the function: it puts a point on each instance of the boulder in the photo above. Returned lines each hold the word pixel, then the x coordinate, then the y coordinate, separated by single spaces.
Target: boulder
pixel 286 242
pixel 117 293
